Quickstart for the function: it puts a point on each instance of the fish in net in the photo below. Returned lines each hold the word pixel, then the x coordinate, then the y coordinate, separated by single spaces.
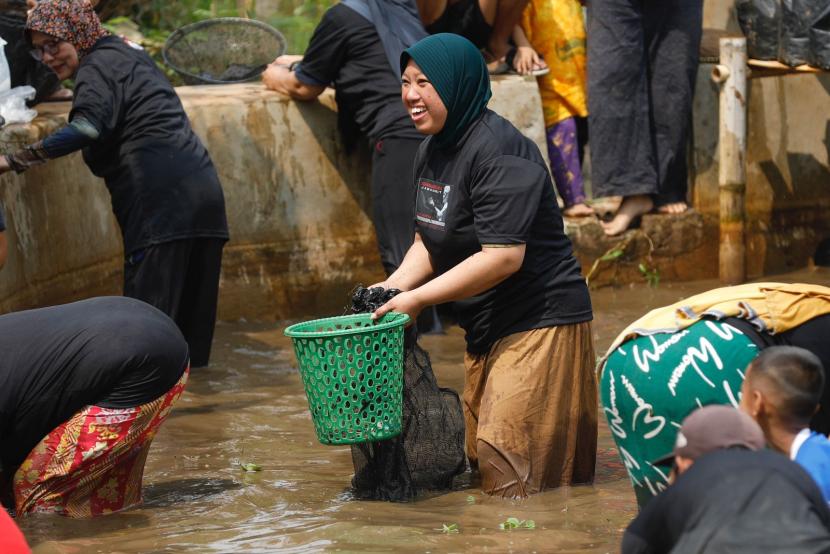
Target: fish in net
pixel 429 452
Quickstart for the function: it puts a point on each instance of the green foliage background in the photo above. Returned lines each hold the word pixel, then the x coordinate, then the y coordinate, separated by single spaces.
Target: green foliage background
pixel 156 19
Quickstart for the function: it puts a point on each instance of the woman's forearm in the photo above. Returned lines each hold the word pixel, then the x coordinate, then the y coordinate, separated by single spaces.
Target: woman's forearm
pixel 478 273
pixel 415 269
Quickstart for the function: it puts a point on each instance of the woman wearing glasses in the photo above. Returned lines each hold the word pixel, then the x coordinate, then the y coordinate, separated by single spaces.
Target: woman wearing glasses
pixel 134 133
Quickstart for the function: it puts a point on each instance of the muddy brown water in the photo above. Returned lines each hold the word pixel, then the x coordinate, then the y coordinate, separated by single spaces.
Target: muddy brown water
pixel 249 406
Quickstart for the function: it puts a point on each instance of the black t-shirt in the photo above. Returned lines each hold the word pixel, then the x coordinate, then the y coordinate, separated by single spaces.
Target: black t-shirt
pixel 735 501
pixel 163 184
pixel 113 352
pixel 346 51
pixel 495 189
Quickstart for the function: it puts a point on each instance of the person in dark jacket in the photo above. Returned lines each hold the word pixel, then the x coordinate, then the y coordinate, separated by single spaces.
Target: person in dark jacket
pixel 730 495
pixel 134 133
pixel 490 239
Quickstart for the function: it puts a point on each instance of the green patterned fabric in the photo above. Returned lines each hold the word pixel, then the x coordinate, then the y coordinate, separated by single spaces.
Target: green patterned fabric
pixel 651 383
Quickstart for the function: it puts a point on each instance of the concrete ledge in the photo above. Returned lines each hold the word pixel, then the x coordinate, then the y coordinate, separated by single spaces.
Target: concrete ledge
pixel 676 248
pixel 298 205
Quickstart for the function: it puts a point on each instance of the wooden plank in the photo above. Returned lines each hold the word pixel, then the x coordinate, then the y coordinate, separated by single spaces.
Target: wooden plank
pixel 771 68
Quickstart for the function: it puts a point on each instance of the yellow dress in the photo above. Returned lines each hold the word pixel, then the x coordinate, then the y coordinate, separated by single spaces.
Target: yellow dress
pixel 556 30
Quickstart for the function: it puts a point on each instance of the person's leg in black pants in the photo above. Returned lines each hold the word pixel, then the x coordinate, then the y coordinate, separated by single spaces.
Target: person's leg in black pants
pixel 623 158
pixel 181 278
pixel 672 29
pixel 393 199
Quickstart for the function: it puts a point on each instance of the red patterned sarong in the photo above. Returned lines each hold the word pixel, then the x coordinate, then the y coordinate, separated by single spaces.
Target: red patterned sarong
pixel 92 464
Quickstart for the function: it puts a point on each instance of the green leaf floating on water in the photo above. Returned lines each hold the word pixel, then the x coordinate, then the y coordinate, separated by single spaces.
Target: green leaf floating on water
pixel 516 523
pixel 611 256
pixel 471 499
pixel 250 467
pixel 451 528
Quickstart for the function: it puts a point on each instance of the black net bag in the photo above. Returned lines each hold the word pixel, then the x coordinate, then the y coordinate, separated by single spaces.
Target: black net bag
pixel 429 452
pixel 223 50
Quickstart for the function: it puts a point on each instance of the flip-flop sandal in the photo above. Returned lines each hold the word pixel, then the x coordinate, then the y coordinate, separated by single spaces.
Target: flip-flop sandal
pixel 510 57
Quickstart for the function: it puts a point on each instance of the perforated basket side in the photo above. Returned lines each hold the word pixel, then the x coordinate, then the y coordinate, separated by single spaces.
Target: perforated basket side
pixel 353 379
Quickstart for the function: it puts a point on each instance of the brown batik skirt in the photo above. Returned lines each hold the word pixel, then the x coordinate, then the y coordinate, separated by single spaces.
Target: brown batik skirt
pixel 530 408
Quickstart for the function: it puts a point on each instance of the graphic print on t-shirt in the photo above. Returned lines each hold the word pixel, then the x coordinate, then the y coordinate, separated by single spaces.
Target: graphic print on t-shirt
pixel 432 203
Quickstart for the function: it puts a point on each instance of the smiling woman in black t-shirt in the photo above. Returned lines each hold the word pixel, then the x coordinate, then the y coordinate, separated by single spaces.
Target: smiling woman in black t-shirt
pixel 489 237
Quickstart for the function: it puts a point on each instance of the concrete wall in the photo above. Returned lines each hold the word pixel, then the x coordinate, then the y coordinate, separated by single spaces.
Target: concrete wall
pixel 788 180
pixel 298 206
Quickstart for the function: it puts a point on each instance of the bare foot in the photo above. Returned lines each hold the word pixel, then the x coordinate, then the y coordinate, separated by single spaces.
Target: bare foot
pixel 673 208
pixel 578 210
pixel 631 208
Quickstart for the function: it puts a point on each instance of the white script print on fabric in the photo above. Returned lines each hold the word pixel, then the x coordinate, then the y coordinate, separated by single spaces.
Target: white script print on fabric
pixel 654 355
pixel 691 358
pixel 630 464
pixel 614 419
pixel 643 406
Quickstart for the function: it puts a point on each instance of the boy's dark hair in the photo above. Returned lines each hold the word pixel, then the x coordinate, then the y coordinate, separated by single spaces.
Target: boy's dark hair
pixel 798 378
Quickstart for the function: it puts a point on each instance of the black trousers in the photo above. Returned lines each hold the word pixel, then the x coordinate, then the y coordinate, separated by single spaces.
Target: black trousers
pixel 642 65
pixel 393 198
pixel 180 278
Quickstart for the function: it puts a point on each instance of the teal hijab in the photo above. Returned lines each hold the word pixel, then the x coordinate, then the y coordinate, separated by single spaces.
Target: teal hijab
pixel 458 72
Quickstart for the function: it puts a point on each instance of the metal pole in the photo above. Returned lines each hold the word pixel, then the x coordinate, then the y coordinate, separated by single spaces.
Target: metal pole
pixel 731 75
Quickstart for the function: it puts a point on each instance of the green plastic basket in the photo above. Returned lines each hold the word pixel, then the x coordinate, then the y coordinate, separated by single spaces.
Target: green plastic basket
pixel 352 370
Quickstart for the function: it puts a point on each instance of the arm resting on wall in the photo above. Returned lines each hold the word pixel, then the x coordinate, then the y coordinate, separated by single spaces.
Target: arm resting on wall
pixel 280 78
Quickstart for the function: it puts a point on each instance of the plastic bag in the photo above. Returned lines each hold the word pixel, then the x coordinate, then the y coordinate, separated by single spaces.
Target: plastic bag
pixel 797 16
pixel 5 74
pixel 13 105
pixel 760 21
pixel 819 35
